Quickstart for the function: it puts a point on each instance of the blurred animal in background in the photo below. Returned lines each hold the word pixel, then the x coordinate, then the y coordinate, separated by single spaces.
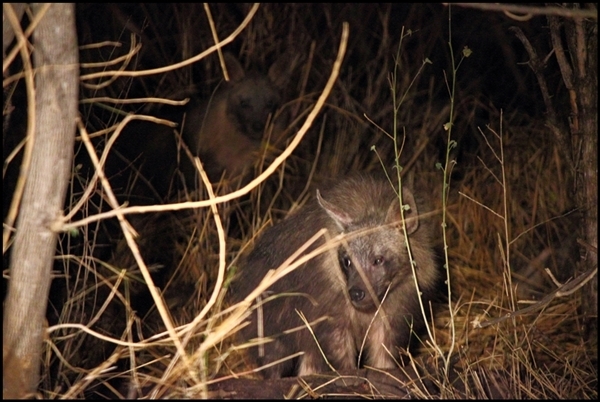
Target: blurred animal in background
pixel 359 298
pixel 226 131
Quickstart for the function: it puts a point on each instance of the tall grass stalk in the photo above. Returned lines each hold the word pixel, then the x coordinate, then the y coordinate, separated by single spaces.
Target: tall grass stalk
pixel 447 172
pixel 397 103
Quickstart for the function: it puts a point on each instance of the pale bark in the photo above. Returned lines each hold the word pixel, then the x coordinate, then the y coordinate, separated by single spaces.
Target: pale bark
pixel 55 57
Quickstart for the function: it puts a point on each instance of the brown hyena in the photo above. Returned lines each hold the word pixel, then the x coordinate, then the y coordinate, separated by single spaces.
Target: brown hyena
pixel 363 290
pixel 226 130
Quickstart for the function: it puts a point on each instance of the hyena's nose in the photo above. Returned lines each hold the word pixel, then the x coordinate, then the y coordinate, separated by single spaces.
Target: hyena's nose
pixel 356 294
pixel 258 127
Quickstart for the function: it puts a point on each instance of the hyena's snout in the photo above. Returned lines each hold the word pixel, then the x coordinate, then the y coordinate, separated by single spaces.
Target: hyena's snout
pixel 365 288
pixel 258 127
pixel 356 294
pixel 362 299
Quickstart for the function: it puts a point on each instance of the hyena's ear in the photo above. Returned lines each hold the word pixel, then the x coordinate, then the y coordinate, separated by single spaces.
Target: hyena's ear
pixel 280 71
pixel 411 215
pixel 340 217
pixel 234 68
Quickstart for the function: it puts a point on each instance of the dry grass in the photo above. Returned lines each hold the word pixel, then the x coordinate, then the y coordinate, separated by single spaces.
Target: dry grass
pixel 106 337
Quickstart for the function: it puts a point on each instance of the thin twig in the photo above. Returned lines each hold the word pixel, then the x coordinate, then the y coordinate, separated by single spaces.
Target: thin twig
pixel 563 291
pixel 531 11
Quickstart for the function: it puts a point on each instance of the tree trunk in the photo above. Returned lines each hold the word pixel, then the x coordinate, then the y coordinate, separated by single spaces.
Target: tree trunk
pixel 584 43
pixel 55 56
pixel 579 69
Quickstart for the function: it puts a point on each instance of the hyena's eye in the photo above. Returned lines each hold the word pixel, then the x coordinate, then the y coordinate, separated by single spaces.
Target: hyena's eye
pixel 378 260
pixel 346 262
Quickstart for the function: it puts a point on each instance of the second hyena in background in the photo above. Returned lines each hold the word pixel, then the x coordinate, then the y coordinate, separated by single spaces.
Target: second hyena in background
pixel 226 130
pixel 364 289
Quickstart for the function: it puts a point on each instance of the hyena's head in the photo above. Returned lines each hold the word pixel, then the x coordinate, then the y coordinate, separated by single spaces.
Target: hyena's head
pixel 373 258
pixel 253 98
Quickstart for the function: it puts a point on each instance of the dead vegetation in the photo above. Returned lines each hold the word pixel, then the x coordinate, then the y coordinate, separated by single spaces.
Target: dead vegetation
pixel 510 210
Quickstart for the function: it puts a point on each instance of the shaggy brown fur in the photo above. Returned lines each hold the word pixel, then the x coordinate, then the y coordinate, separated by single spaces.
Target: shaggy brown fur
pixel 365 289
